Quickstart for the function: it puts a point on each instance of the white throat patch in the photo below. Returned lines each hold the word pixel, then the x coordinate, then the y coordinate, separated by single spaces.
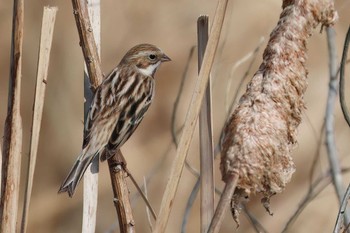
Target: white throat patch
pixel 149 71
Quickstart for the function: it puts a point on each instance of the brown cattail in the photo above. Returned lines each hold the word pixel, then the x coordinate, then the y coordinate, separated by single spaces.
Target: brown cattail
pixel 261 132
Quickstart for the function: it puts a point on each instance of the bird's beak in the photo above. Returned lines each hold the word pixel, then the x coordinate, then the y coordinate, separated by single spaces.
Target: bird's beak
pixel 165 58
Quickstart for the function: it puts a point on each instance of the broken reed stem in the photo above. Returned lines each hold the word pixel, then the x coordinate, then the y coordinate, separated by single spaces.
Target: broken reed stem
pixel 191 119
pixel 47 28
pixel 12 141
pixel 91 174
pixel 92 62
pixel 205 136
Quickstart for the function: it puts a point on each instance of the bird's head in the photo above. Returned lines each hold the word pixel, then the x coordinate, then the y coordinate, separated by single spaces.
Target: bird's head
pixel 146 58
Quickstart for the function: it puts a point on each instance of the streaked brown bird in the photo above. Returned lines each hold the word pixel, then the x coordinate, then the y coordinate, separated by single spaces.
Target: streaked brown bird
pixel 118 106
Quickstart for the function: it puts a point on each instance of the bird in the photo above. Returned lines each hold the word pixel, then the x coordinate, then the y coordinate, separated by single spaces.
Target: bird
pixel 118 106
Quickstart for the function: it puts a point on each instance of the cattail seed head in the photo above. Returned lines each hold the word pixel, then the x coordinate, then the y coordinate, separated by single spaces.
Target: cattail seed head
pixel 261 132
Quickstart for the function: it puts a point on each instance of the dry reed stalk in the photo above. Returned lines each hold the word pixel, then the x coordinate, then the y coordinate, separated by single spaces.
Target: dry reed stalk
pixel 47 27
pixel 261 132
pixel 12 142
pixel 191 119
pixel 205 135
pixel 91 174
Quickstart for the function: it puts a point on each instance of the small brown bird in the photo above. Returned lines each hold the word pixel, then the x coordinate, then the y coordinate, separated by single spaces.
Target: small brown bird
pixel 118 107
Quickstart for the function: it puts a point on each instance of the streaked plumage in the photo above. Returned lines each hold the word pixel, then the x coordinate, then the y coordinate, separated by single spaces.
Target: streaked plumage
pixel 118 107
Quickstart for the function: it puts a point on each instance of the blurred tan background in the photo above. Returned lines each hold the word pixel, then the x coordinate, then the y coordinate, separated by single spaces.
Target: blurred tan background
pixel 171 25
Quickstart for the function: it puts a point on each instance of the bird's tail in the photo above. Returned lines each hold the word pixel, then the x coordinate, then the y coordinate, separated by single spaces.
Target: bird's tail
pixel 76 173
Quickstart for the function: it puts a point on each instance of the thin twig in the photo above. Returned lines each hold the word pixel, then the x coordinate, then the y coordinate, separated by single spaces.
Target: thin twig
pixel 178 96
pixel 189 205
pixel 175 108
pixel 342 211
pixel 329 124
pixel 229 106
pixel 147 209
pixel 320 183
pixel 317 154
pixel 87 42
pixel 252 55
pixel 191 119
pixel 254 222
pixel 12 142
pixel 121 193
pixel 143 195
pixel 47 28
pixel 342 78
pixel 315 188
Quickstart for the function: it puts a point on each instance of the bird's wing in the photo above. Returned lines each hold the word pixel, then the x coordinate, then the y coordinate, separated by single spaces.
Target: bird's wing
pixel 129 119
pixel 102 106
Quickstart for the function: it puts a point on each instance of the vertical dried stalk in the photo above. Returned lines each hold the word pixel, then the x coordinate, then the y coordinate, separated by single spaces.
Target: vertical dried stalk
pixel 12 144
pixel 47 28
pixel 261 132
pixel 191 119
pixel 205 136
pixel 91 174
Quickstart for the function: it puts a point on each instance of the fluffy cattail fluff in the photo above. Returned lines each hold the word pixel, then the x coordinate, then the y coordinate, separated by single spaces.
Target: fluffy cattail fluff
pixel 261 133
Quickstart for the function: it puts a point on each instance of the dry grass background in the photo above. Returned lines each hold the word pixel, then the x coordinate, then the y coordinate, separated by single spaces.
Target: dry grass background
pixel 171 25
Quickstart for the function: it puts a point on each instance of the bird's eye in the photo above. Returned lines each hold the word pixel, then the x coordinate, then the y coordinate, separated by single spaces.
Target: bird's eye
pixel 152 56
